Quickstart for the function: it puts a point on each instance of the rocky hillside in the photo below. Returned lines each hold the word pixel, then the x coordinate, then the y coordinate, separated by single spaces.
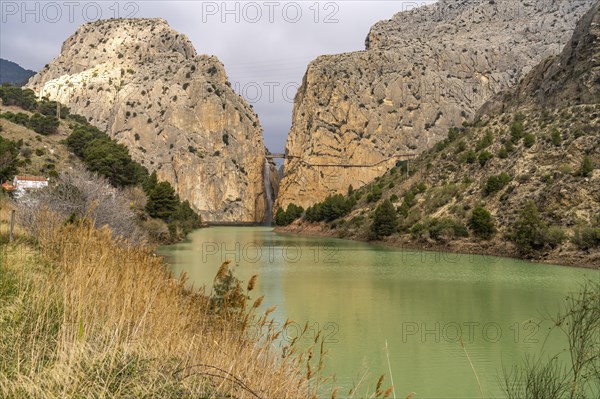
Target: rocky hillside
pixel 145 85
pixel 524 180
pixel 572 77
pixel 422 72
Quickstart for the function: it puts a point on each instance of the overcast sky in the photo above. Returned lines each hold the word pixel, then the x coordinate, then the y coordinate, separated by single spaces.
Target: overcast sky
pixel 265 45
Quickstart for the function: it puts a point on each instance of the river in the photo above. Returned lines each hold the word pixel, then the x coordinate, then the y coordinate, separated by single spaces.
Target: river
pixel 420 303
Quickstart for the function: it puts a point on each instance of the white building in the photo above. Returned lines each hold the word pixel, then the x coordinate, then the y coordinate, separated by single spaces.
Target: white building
pixel 29 182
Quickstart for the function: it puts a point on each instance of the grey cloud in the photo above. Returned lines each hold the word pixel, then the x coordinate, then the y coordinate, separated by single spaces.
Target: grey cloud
pixel 254 54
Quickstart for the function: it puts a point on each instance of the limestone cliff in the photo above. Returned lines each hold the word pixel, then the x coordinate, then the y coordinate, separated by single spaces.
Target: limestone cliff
pixel 537 142
pixel 422 72
pixel 572 77
pixel 145 85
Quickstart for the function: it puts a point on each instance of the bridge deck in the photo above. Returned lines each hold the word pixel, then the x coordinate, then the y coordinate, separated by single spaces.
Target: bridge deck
pixel 398 157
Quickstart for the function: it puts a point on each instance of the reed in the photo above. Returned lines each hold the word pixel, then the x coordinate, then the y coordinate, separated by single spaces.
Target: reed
pixel 91 316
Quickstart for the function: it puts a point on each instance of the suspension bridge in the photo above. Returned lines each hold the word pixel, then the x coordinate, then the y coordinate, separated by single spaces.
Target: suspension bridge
pixel 398 157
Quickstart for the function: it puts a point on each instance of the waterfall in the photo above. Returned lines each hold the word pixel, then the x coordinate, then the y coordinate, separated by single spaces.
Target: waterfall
pixel 268 193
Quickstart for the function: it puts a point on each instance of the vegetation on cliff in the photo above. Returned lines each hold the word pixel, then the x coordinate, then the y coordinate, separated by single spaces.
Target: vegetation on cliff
pixel 535 201
pixel 159 210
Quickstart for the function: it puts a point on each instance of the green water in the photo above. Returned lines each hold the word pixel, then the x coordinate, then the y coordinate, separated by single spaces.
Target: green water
pixel 363 295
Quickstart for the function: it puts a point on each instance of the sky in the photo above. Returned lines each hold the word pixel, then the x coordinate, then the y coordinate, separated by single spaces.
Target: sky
pixel 264 45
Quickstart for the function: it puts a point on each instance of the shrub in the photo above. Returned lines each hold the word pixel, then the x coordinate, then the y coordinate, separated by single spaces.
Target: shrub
pixel 485 141
pixel 26 152
pixel 44 125
pixel 446 228
pixel 482 223
pixel 417 230
pixel 225 138
pixel 516 131
pixel 573 374
pixel 385 220
pixel 503 153
pixel 556 138
pixel 78 118
pixel 528 140
pixel 554 236
pixel 484 156
pixel 75 196
pixel 375 194
pixel 509 146
pixel 587 167
pixel 586 237
pixel 496 183
pixel 470 156
pixel 529 230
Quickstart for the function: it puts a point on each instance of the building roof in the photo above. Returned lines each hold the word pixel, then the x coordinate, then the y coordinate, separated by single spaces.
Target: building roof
pixel 8 187
pixel 31 178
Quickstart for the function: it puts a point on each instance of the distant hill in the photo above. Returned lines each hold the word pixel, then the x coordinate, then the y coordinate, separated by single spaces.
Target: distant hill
pixel 11 72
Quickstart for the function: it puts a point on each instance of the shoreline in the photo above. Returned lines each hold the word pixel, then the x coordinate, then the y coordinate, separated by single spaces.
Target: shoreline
pixel 496 248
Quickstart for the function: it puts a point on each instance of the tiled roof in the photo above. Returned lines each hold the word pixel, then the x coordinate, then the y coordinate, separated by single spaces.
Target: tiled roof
pixel 30 178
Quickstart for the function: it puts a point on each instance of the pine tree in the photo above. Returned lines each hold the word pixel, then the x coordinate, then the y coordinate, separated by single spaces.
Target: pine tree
pixel 482 223
pixel 528 230
pixel 385 220
pixel 162 201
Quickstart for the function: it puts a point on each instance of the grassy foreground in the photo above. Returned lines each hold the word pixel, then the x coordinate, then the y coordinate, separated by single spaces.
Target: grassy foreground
pixel 83 315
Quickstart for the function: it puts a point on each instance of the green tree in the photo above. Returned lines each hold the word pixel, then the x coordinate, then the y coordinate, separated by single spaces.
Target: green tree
pixel 82 136
pixel 44 125
pixel 48 108
pixel 482 223
pixel 385 220
pixel 113 161
pixel 285 217
pixel 162 202
pixel 13 95
pixel 9 151
pixel 587 167
pixel 529 229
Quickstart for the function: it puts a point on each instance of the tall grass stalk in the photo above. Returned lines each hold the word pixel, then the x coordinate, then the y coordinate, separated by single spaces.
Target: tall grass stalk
pixel 90 316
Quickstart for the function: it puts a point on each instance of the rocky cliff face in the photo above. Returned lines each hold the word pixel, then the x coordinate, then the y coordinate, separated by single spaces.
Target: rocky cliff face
pixel 572 77
pixel 557 109
pixel 145 85
pixel 422 72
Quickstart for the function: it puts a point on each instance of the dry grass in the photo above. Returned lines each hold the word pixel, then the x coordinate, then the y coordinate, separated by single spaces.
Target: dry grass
pixel 86 316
